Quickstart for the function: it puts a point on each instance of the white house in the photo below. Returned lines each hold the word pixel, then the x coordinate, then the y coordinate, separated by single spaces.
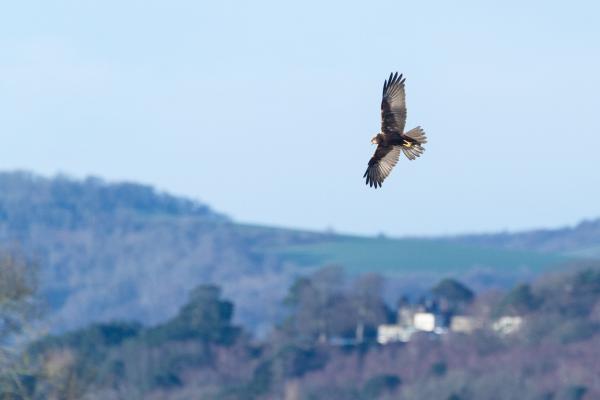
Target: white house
pixel 465 323
pixel 507 324
pixel 424 321
pixel 394 333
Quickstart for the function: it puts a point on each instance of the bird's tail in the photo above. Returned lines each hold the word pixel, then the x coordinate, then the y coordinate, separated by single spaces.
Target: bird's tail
pixel 413 147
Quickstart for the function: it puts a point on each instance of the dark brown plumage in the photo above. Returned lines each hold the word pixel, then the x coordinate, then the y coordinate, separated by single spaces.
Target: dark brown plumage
pixel 392 140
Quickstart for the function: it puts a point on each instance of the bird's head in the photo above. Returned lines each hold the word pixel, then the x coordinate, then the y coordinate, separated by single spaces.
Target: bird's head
pixel 376 139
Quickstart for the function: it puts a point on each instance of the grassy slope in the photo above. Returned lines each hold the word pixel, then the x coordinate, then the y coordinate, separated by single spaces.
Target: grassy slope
pixel 399 256
pixel 586 252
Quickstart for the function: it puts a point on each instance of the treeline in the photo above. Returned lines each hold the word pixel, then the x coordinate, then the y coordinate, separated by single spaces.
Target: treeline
pixel 27 199
pixel 325 348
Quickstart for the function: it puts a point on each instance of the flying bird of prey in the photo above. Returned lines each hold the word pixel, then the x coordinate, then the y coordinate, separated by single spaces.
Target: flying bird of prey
pixel 392 139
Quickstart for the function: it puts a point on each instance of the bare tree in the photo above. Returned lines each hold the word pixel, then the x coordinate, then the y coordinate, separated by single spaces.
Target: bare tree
pixel 17 309
pixel 368 303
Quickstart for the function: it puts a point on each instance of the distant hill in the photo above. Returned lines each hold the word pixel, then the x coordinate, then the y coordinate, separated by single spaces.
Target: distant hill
pixel 581 240
pixel 125 251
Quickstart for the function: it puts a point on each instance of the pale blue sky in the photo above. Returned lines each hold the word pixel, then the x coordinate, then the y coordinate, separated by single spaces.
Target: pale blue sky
pixel 264 110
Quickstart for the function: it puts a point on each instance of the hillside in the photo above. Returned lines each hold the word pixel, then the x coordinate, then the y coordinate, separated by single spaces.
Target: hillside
pixel 581 240
pixel 398 257
pixel 125 251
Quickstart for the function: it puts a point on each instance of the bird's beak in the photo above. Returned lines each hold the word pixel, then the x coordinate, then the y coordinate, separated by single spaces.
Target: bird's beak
pixel 373 141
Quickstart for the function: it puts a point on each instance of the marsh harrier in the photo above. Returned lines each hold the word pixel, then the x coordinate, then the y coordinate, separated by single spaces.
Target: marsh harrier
pixel 392 139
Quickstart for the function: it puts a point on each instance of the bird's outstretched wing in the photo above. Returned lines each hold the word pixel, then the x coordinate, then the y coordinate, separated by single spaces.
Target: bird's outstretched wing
pixel 381 164
pixel 393 105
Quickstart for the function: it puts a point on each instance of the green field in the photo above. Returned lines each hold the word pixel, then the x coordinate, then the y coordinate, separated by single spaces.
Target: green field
pixel 592 252
pixel 400 256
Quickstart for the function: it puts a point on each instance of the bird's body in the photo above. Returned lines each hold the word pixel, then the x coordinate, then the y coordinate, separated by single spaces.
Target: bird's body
pixel 392 140
pixel 395 139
